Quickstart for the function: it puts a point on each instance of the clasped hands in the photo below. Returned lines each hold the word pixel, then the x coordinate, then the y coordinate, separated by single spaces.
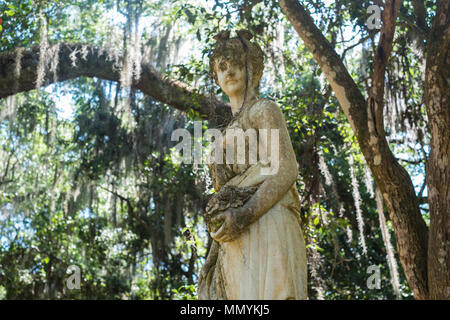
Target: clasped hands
pixel 234 222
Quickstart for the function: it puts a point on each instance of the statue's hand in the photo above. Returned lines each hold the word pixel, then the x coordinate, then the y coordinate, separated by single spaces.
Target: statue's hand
pixel 233 222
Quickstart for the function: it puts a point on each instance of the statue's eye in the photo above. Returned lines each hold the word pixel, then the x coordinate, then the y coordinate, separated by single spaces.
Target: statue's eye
pixel 236 63
pixel 222 66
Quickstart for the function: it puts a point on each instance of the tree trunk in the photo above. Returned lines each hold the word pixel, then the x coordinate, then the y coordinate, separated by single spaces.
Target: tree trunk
pixel 437 93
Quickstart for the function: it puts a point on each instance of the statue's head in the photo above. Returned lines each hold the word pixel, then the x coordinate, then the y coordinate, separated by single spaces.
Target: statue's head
pixel 236 53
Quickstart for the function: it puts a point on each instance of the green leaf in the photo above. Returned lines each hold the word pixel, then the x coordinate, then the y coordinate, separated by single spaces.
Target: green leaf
pixel 191 17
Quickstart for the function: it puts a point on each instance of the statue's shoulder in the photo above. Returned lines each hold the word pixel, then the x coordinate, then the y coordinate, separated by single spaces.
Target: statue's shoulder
pixel 265 103
pixel 263 108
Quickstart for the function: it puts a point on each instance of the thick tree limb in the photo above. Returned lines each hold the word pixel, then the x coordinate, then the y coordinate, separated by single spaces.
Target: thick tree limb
pixel 376 129
pixel 437 99
pixel 96 64
pixel 392 179
pixel 382 55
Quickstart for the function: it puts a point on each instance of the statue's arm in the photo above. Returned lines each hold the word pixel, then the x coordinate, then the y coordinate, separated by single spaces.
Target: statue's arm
pixel 267 115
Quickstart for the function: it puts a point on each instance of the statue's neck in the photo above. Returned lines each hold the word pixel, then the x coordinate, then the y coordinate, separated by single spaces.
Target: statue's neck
pixel 236 102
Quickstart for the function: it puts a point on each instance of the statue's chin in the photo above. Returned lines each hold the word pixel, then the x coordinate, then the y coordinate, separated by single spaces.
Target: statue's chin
pixel 234 89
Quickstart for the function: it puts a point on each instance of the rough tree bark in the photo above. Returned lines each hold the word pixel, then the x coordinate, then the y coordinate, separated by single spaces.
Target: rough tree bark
pixel 366 120
pixel 437 96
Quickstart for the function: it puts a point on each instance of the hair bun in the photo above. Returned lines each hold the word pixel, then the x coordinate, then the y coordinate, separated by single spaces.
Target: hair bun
pixel 245 34
pixel 222 36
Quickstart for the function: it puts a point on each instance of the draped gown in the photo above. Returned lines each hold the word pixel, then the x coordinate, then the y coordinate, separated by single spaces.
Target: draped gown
pixel 268 260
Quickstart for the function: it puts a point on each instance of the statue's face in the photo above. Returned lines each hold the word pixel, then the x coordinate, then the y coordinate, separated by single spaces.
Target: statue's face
pixel 230 76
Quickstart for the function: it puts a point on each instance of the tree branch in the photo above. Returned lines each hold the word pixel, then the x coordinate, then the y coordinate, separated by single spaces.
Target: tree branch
pixel 362 40
pixel 382 55
pixel 96 64
pixel 331 64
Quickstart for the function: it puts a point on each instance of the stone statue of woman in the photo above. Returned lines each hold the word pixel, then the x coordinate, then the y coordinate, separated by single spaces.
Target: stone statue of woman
pixel 258 250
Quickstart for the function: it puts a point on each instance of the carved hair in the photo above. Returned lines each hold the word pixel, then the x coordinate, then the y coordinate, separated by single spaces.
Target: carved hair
pixel 233 49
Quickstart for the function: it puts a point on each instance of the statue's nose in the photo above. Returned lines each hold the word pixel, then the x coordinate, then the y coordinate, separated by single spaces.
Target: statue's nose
pixel 230 70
